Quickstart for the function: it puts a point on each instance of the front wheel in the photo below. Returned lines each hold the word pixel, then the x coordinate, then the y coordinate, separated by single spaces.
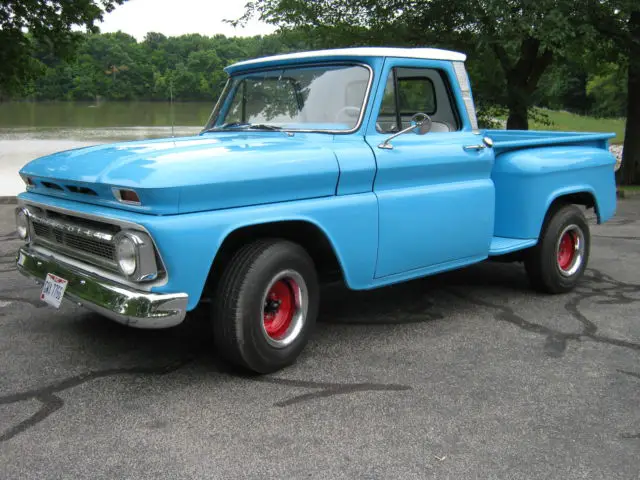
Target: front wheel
pixel 558 261
pixel 265 305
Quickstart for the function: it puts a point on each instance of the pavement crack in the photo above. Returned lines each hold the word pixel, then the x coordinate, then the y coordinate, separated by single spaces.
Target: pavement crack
pixel 595 284
pixel 632 374
pixel 571 306
pixel 327 389
pixel 556 341
pixel 51 402
pixel 616 237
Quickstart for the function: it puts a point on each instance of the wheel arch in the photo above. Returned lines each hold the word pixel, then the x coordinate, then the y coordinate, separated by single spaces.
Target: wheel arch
pixel 582 195
pixel 311 236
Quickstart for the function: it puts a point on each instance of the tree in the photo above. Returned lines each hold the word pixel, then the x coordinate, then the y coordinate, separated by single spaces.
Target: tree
pixel 28 24
pixel 524 37
pixel 619 22
pixel 608 89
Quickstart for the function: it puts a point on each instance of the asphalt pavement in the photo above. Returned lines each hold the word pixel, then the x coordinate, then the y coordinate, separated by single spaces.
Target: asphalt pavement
pixel 467 375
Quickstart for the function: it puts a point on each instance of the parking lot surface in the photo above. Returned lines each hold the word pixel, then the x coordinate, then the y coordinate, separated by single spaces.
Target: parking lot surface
pixel 465 375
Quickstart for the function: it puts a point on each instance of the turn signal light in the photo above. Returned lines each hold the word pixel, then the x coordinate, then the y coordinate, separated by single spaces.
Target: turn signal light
pixel 126 196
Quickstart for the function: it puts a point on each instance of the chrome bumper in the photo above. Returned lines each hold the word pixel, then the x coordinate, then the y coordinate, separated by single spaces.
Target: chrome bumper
pixel 121 303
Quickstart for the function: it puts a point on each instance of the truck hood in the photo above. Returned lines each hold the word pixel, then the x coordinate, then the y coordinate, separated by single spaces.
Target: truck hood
pixel 187 174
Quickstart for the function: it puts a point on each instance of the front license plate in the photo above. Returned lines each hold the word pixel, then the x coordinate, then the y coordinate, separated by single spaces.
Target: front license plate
pixel 53 290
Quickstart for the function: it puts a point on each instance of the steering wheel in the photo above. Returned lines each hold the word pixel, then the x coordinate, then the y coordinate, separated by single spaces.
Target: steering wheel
pixel 354 112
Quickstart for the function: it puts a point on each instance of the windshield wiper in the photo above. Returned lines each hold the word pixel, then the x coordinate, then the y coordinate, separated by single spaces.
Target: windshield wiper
pixel 253 126
pixel 263 126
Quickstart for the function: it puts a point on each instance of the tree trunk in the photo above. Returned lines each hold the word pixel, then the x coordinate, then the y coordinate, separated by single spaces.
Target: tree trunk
pixel 522 79
pixel 629 173
pixel 518 104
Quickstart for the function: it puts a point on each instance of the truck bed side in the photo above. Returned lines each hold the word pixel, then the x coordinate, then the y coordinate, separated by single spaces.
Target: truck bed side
pixel 532 169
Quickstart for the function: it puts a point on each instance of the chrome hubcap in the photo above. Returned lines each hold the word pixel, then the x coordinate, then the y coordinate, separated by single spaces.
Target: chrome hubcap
pixel 570 250
pixel 284 308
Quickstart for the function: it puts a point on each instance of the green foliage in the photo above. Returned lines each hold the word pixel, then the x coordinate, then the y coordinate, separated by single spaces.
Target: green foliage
pixel 608 91
pixel 114 66
pixel 491 116
pixel 540 117
pixel 512 42
pixel 46 26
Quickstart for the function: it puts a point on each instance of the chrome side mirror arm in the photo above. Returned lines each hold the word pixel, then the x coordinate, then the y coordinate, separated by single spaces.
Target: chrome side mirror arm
pixel 387 146
pixel 422 123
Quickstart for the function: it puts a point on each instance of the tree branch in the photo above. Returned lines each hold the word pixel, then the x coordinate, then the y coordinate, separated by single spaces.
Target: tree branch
pixel 540 64
pixel 502 55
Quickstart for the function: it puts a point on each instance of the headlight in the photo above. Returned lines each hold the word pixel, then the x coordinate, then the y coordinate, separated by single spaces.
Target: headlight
pixel 136 256
pixel 22 223
pixel 126 255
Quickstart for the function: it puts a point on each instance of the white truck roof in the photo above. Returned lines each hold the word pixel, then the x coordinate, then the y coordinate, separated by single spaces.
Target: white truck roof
pixel 419 52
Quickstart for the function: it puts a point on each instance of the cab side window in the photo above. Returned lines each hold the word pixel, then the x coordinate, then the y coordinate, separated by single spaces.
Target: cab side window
pixel 416 90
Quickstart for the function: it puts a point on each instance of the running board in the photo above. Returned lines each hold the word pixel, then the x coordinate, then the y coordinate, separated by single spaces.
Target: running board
pixel 502 245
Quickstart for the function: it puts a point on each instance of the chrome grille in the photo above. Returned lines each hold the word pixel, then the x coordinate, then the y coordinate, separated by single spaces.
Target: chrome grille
pixel 77 238
pixel 88 245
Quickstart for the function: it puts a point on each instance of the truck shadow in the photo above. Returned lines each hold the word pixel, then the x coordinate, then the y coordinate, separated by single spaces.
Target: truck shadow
pixel 425 300
pixel 418 300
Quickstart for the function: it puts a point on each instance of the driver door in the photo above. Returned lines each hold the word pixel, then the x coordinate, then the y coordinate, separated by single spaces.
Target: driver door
pixel 435 193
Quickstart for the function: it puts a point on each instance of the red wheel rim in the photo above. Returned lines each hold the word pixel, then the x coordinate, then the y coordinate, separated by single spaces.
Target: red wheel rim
pixel 279 308
pixel 567 250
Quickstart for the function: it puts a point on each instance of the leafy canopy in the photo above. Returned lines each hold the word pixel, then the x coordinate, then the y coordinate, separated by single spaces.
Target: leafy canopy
pixel 511 42
pixel 25 24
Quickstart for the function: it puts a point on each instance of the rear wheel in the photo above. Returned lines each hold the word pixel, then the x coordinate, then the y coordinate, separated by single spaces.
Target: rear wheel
pixel 558 261
pixel 265 305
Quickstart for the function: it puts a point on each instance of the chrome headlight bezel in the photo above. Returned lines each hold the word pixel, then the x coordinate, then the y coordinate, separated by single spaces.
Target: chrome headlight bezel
pixel 145 267
pixel 23 229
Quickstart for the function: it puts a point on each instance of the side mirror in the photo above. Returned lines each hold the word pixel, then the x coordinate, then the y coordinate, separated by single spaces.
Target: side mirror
pixel 420 123
pixel 423 122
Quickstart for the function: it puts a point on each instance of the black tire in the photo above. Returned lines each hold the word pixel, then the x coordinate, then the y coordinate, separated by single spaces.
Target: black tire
pixel 239 325
pixel 551 269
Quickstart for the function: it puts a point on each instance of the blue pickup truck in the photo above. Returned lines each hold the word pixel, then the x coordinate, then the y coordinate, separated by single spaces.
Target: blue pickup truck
pixel 364 165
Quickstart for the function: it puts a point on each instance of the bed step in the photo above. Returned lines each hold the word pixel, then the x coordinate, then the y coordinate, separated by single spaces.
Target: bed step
pixel 502 245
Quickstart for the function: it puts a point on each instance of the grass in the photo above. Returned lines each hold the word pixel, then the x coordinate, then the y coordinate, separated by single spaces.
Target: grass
pixel 570 122
pixel 627 191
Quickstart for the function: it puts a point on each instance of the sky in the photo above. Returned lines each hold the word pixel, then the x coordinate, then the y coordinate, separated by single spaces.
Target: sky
pixel 177 17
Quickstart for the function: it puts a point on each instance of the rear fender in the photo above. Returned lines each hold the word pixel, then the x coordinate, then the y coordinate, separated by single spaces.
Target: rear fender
pixel 529 181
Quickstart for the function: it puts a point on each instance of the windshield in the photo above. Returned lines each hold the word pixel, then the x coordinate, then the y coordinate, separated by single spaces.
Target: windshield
pixel 320 98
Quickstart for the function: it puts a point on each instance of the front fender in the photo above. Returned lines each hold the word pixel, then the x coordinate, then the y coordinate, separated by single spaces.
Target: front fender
pixel 350 223
pixel 189 242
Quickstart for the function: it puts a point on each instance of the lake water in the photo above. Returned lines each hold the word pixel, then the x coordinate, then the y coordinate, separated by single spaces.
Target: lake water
pixel 104 114
pixel 29 130
pixel 89 120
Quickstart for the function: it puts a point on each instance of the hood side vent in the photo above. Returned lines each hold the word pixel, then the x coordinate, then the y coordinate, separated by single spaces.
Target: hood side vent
pixel 82 190
pixel 53 186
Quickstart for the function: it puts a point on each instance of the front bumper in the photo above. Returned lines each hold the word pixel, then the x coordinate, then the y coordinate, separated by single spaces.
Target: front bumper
pixel 121 303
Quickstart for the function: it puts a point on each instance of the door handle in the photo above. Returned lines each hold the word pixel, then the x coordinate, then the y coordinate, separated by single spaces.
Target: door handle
pixel 474 147
pixel 486 142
